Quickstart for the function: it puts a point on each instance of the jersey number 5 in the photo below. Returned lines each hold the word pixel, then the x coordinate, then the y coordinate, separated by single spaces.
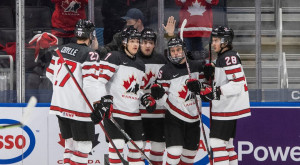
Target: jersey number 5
pixel 66 78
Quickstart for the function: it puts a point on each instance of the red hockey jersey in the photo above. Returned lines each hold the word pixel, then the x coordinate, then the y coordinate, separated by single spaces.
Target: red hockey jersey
pixel 199 17
pixel 66 15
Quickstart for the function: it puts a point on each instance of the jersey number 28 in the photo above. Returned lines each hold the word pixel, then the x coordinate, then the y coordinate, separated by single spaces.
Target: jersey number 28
pixel 230 60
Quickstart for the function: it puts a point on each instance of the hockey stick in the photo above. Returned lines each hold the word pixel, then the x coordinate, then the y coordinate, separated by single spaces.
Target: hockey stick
pixel 25 117
pixel 129 139
pixel 196 100
pixel 89 104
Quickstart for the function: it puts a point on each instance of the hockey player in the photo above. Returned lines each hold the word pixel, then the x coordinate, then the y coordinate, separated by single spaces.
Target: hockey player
pixel 182 131
pixel 153 120
pixel 230 97
pixel 67 103
pixel 122 74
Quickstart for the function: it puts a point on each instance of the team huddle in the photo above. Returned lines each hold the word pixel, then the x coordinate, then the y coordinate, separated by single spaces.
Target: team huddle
pixel 141 95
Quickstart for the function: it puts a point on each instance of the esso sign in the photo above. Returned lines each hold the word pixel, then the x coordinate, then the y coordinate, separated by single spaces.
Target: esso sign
pixel 15 143
pixel 9 142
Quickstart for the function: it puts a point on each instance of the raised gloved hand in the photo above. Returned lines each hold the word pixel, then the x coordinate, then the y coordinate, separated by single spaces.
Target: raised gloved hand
pixel 157 91
pixel 209 94
pixel 194 85
pixel 149 102
pixel 102 109
pixel 209 71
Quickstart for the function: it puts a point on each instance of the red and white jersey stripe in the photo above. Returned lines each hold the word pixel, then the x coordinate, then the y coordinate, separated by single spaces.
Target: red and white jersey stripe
pixel 123 77
pixel 234 100
pixel 66 99
pixel 179 101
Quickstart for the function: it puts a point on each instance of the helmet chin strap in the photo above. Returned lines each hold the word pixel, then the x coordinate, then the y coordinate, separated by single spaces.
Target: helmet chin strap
pixel 129 54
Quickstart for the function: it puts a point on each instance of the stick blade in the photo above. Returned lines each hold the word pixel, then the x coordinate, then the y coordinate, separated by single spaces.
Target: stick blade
pixel 182 28
pixel 28 110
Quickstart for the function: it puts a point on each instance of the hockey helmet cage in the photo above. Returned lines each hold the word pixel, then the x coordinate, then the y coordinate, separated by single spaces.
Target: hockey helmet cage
pixel 148 34
pixel 130 33
pixel 174 42
pixel 84 28
pixel 224 33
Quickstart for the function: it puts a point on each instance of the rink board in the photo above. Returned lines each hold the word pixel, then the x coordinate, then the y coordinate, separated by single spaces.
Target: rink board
pixel 270 136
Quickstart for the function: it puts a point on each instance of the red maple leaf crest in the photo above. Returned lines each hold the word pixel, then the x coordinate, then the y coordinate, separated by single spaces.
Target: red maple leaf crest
pixel 147 78
pixel 127 83
pixel 183 92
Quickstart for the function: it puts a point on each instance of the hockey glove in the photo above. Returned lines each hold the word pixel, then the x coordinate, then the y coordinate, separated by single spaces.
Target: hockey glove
pixel 102 109
pixel 210 94
pixel 194 85
pixel 157 91
pixel 149 102
pixel 209 71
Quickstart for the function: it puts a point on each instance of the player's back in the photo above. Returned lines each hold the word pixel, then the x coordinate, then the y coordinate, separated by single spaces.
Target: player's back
pixel 66 99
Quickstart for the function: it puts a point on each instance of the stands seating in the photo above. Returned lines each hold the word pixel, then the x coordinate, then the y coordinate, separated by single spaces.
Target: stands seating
pixel 7 18
pixel 37 17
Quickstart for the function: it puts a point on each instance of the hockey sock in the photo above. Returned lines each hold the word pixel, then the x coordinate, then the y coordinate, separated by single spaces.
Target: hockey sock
pixel 112 154
pixel 173 154
pixel 81 152
pixel 134 156
pixel 219 151
pixel 187 157
pixel 157 152
pixel 69 148
pixel 233 158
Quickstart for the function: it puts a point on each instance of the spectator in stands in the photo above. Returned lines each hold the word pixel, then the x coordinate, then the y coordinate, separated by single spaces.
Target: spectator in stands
pixel 135 18
pixel 199 22
pixel 113 10
pixel 220 14
pixel 65 17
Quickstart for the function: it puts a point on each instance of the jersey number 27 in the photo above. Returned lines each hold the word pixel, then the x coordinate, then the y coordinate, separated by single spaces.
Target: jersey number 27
pixel 67 76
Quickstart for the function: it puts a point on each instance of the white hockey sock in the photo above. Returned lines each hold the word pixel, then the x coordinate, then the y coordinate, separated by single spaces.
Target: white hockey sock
pixel 157 152
pixel 134 157
pixel 173 154
pixel 81 152
pixel 233 158
pixel 69 148
pixel 112 154
pixel 187 157
pixel 219 151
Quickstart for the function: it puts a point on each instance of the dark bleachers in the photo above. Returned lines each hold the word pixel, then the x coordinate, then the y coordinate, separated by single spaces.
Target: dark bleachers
pixel 98 17
pixel 37 17
pixel 10 3
pixel 7 18
pixel 7 35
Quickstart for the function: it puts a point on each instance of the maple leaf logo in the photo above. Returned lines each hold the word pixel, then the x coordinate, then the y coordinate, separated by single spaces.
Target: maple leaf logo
pixel 196 9
pixel 127 83
pixel 95 142
pixel 70 7
pixel 131 85
pixel 147 79
pixel 183 92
